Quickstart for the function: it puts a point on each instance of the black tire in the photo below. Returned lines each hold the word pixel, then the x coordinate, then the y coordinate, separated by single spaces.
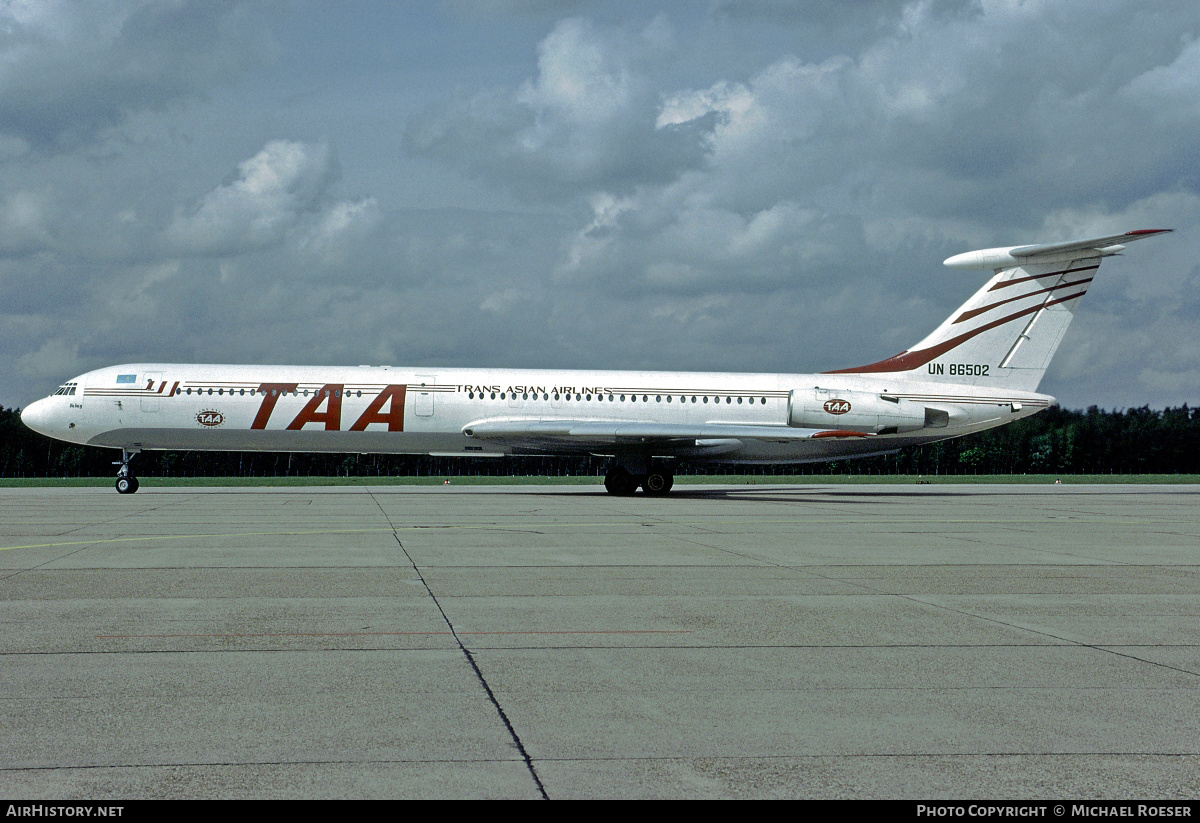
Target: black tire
pixel 619 482
pixel 127 485
pixel 657 484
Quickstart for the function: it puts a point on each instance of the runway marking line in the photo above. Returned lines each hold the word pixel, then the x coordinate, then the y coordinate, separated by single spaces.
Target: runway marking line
pixel 382 634
pixel 543 524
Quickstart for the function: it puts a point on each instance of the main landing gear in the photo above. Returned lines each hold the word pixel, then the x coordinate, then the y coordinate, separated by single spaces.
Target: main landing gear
pixel 656 482
pixel 127 483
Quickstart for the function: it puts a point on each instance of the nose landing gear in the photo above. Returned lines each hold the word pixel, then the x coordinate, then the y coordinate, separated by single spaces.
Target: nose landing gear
pixel 127 483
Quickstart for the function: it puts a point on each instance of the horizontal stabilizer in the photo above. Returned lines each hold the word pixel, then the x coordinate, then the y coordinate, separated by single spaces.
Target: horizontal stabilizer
pixel 1006 256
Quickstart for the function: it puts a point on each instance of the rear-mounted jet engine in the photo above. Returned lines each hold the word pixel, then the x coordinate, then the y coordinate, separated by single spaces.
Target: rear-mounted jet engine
pixel 836 409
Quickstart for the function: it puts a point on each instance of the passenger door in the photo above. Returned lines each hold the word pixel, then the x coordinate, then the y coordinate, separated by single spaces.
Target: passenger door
pixel 423 401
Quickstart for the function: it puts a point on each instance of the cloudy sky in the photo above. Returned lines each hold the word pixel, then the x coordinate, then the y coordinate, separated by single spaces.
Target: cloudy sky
pixel 753 185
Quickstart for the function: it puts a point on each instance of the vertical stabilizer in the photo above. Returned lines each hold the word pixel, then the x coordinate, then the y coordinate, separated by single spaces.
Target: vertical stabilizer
pixel 1006 334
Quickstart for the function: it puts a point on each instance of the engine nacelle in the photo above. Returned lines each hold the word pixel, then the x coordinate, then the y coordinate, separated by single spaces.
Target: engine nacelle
pixel 838 409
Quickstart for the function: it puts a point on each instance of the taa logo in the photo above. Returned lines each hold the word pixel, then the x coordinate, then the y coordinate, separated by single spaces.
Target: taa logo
pixel 837 406
pixel 210 418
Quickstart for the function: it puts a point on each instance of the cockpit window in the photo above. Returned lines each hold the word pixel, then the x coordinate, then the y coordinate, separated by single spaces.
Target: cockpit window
pixel 68 388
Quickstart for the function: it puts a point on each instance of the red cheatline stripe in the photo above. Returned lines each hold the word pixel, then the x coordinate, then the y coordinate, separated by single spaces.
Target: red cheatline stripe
pixel 967 315
pixel 819 435
pixel 1008 283
pixel 909 360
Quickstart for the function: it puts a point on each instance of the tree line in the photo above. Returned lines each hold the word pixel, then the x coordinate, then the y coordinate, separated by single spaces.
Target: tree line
pixel 1055 441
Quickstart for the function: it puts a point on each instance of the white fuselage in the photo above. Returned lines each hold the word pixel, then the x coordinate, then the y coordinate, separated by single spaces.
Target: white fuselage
pixel 380 409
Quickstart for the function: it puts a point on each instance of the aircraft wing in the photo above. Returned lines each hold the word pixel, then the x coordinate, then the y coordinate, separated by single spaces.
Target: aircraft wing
pixel 591 434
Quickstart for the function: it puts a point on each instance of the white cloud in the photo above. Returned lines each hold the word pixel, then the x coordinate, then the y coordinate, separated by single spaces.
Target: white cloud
pixel 339 231
pixel 271 192
pixel 23 223
pixel 70 70
pixel 502 302
pixel 579 81
pixel 1172 92
pixel 585 119
pixel 55 356
pixel 732 101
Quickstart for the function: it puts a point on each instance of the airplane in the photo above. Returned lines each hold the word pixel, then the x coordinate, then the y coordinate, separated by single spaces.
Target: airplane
pixel 979 369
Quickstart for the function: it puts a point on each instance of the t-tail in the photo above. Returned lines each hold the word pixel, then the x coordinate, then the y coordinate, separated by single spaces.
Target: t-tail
pixel 1007 332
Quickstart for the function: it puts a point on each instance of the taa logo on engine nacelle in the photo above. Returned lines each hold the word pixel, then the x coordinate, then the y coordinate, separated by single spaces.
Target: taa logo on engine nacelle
pixel 837 406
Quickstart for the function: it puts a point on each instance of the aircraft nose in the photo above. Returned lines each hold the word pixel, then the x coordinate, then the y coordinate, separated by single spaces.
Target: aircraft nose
pixel 37 416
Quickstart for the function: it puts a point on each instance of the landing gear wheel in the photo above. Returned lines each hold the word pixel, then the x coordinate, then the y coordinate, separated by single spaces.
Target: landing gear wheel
pixel 127 483
pixel 620 482
pixel 658 483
